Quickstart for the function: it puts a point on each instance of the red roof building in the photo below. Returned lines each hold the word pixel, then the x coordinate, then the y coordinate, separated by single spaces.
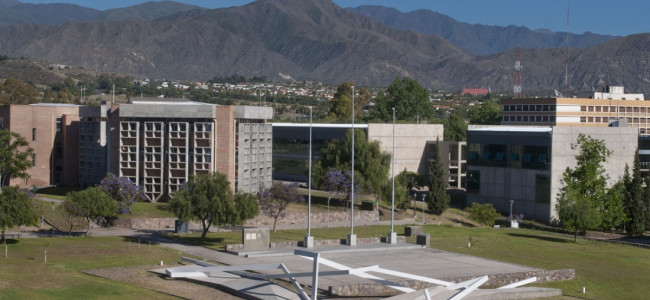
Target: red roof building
pixel 476 92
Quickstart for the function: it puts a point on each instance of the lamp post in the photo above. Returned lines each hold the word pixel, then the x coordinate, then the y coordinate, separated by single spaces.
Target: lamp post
pixel 392 235
pixel 328 211
pixel 352 238
pixel 309 240
pixel 423 205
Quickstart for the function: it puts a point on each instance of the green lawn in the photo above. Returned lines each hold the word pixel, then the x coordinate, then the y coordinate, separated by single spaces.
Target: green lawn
pixel 148 210
pixel 608 271
pixel 24 275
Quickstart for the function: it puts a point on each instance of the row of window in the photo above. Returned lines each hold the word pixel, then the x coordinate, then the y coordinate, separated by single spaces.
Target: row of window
pixel 536 119
pixel 529 107
pixel 509 156
pixel 542 185
pixel 607 108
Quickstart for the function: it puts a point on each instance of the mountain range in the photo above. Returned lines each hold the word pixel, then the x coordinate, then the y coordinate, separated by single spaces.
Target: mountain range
pixel 15 12
pixel 476 38
pixel 315 40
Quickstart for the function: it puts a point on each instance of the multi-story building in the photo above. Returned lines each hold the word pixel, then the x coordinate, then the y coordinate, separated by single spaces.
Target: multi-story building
pixel 291 145
pixel 615 108
pixel 603 110
pixel 157 143
pixel 162 143
pixel 524 164
pixel 52 131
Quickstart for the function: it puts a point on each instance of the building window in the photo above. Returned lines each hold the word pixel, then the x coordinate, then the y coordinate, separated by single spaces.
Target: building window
pixel 58 124
pixel 583 108
pixel 33 134
pixel 473 181
pixel 1 123
pixel 542 188
pixel 33 160
pixel 583 119
pixel 58 151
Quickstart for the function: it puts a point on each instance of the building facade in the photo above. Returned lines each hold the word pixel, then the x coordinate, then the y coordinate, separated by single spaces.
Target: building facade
pixel 156 143
pixel 524 164
pixel 605 109
pixel 52 131
pixel 291 145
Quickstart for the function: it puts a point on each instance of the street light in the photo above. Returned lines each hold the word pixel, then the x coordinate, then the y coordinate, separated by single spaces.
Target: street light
pixel 309 240
pixel 423 205
pixel 328 211
pixel 392 235
pixel 352 238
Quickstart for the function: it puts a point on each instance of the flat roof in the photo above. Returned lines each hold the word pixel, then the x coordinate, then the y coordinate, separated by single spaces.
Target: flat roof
pixel 513 129
pixel 320 125
pixel 56 104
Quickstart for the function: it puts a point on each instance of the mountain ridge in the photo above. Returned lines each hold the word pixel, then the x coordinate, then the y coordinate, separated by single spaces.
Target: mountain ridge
pixel 477 38
pixel 317 41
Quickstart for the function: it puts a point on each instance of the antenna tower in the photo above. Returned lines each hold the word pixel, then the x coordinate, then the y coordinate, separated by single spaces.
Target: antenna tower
pixel 518 68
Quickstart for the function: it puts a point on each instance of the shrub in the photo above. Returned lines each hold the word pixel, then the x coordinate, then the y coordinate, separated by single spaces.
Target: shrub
pixel 484 214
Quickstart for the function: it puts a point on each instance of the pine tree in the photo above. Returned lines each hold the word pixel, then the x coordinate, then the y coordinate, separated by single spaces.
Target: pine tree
pixel 635 203
pixel 437 198
pixel 646 201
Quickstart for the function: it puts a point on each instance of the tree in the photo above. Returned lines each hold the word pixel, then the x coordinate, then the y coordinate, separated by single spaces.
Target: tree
pixel 15 210
pixel 410 100
pixel 122 190
pixel 646 201
pixel 371 165
pixel 15 157
pixel 488 113
pixel 17 92
pixel 584 187
pixel 405 181
pixel 341 103
pixel 247 208
pixel 455 126
pixel 339 184
pixel 634 203
pixel 91 204
pixel 437 199
pixel 275 200
pixel 206 198
pixel 612 210
pixel 484 214
pixel 72 214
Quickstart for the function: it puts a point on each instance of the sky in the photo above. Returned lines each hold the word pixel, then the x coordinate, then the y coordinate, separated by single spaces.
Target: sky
pixel 621 17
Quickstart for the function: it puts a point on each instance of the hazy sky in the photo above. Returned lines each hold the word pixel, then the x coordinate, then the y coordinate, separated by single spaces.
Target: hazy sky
pixel 620 17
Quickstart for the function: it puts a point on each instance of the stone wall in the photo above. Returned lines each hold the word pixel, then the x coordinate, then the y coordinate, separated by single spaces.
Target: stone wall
pixel 494 280
pixel 320 218
pixel 147 223
pixel 317 243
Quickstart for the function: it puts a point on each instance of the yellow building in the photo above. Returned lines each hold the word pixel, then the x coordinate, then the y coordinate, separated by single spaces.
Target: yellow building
pixel 577 112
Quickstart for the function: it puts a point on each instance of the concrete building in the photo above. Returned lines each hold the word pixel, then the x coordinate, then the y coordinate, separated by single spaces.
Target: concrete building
pixel 453 156
pixel 162 143
pixel 52 131
pixel 525 164
pixel 156 143
pixel 618 92
pixel 291 145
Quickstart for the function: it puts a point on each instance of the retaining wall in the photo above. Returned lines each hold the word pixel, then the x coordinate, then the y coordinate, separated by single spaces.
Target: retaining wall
pixel 494 280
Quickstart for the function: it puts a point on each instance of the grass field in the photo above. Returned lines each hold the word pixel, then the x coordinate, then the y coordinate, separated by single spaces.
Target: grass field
pixel 25 275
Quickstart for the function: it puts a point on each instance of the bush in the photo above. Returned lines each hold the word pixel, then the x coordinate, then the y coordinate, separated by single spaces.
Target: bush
pixel 484 214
